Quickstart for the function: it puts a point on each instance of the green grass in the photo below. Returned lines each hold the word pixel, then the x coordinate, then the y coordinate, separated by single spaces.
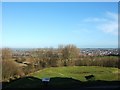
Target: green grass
pixel 78 72
pixel 68 77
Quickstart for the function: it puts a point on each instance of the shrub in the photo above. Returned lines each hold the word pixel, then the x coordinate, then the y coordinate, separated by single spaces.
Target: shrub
pixel 10 69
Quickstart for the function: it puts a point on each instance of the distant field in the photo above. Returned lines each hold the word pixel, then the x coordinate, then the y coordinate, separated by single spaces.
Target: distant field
pixel 78 72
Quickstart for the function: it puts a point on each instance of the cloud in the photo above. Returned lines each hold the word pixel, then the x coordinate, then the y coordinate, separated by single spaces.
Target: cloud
pixel 113 16
pixel 95 19
pixel 111 26
pixel 107 24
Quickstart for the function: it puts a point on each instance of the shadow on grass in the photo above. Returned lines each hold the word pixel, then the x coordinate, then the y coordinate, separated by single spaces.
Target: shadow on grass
pixel 58 83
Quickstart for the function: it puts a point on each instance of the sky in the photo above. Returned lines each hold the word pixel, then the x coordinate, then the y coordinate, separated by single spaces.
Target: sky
pixel 49 24
pixel 60 0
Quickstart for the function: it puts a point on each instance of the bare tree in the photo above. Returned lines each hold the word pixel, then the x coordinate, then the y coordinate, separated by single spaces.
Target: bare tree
pixel 6 53
pixel 70 54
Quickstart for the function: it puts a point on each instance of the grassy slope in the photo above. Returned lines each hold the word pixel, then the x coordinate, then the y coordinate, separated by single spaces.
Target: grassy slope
pixel 78 72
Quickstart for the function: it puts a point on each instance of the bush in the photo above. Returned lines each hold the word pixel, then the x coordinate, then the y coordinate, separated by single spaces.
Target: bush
pixel 10 70
pixel 20 59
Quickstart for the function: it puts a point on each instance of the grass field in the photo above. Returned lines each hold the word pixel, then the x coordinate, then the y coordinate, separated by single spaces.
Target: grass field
pixel 69 77
pixel 78 72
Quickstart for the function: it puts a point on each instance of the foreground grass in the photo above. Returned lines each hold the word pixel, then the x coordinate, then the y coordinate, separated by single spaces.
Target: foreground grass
pixel 78 72
pixel 71 77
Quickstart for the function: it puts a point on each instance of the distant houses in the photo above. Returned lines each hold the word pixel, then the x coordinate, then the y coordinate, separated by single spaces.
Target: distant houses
pixel 99 52
pixel 56 54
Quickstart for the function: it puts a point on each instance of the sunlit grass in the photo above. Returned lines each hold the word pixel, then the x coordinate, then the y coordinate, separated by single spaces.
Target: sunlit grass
pixel 78 72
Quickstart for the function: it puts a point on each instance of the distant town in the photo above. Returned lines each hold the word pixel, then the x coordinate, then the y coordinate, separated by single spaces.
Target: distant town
pixel 83 51
pixel 100 51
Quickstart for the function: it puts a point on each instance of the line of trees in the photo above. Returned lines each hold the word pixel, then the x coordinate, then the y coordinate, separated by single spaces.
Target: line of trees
pixel 68 55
